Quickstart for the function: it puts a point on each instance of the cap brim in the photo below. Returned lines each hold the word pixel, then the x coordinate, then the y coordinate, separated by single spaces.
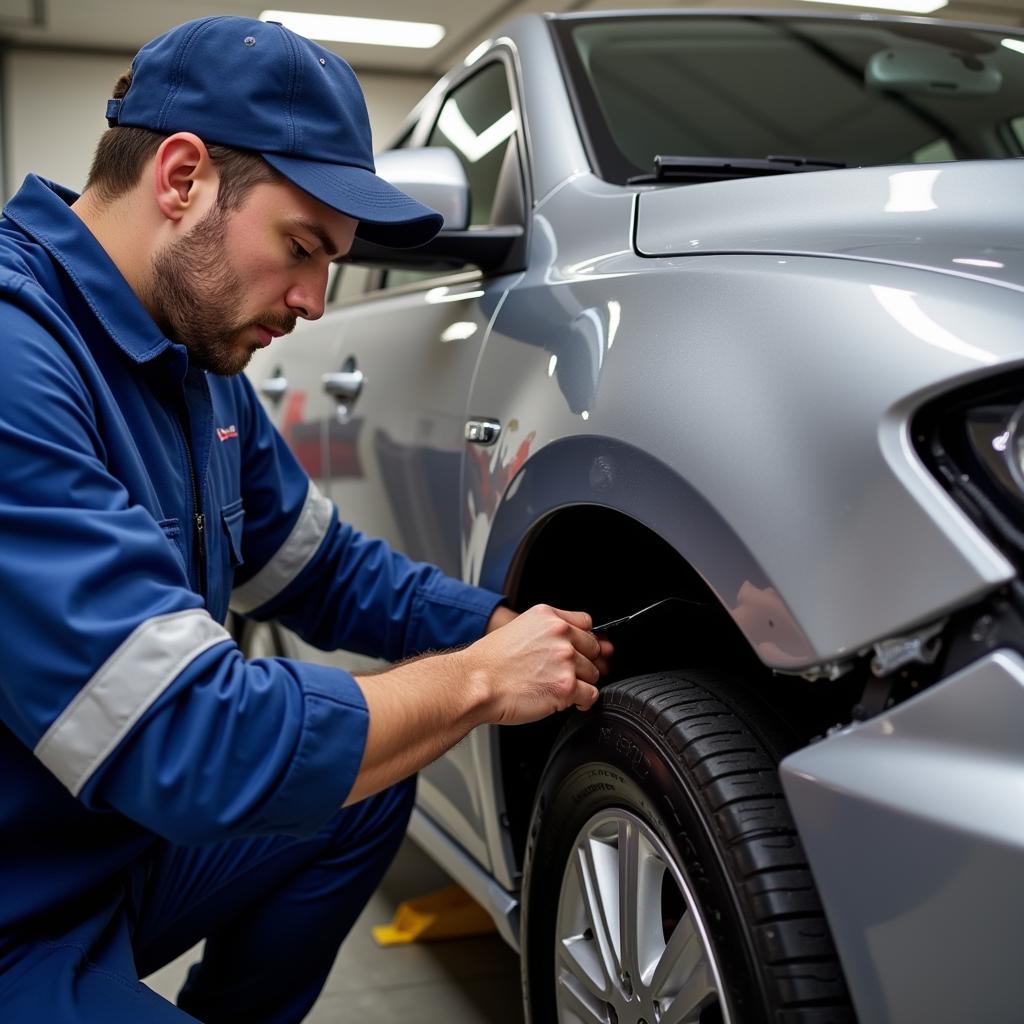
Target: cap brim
pixel 386 215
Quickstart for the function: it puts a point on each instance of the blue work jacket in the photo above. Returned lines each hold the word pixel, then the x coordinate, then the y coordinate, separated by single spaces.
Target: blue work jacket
pixel 139 497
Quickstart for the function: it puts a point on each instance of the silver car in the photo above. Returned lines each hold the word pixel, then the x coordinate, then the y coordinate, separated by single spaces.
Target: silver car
pixel 726 327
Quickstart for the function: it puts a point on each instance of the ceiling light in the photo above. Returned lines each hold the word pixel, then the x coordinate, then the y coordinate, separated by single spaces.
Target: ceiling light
pixel 373 31
pixel 1014 44
pixel 910 6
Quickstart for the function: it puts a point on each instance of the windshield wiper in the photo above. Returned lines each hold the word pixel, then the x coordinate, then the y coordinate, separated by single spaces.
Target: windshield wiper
pixel 719 168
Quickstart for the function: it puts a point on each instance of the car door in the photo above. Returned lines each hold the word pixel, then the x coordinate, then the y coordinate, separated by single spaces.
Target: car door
pixel 405 353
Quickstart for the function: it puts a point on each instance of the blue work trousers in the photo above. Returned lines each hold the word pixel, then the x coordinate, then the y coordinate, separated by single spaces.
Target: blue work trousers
pixel 273 911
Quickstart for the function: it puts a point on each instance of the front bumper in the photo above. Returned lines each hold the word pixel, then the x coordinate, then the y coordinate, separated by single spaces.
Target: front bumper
pixel 913 824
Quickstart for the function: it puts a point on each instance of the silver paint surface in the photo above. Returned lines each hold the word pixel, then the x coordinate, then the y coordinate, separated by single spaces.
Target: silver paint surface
pixel 912 823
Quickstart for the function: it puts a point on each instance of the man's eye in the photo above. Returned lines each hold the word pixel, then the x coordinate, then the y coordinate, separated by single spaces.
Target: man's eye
pixel 298 252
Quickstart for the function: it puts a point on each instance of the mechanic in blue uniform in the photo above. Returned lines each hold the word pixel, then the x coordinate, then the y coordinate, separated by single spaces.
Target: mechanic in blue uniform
pixel 158 788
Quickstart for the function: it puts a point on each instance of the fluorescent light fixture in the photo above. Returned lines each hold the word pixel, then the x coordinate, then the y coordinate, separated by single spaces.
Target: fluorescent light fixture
pixel 910 6
pixel 371 31
pixel 1014 44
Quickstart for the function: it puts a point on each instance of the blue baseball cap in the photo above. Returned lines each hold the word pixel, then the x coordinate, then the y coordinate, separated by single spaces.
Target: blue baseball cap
pixel 258 86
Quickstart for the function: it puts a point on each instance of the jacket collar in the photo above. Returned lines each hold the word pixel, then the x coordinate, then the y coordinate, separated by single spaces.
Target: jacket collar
pixel 43 211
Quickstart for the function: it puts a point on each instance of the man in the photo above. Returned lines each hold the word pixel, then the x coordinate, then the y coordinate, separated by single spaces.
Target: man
pixel 158 788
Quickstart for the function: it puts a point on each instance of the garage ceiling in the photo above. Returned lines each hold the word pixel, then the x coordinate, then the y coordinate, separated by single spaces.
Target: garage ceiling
pixel 120 27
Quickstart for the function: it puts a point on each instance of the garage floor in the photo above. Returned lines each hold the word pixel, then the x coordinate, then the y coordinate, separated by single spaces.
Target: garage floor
pixel 463 981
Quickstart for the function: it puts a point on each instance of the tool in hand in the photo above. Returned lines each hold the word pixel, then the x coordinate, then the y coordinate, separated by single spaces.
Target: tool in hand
pixel 613 623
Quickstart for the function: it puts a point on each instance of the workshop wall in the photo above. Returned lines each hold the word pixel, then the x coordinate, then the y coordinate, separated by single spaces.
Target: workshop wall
pixel 54 103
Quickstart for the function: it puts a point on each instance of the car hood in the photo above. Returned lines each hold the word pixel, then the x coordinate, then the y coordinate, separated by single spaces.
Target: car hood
pixel 959 218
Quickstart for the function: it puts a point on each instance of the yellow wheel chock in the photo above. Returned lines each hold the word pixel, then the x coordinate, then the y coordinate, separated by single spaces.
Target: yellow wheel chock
pixel 446 914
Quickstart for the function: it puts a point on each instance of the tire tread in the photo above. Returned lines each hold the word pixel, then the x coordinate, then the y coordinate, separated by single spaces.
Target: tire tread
pixel 735 773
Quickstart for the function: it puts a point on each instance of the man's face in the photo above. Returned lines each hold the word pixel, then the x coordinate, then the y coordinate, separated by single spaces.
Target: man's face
pixel 242 277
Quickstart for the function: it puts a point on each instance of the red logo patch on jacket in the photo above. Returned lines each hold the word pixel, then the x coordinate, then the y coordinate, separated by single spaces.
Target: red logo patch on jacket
pixel 226 433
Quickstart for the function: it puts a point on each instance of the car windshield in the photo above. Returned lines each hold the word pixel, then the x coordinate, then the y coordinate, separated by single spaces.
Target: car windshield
pixel 848 92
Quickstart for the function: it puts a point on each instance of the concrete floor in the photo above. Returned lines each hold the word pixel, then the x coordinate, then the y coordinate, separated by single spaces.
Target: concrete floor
pixel 461 981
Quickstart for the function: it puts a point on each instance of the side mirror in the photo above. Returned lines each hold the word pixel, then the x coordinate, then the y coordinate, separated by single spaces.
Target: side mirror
pixel 435 176
pixel 917 69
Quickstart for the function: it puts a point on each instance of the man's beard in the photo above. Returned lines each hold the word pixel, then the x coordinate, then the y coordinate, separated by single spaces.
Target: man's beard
pixel 196 292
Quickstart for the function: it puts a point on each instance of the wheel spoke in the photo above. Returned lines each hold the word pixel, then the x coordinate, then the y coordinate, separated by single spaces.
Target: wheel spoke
pixel 629 908
pixel 697 992
pixel 592 880
pixel 576 995
pixel 580 958
pixel 681 957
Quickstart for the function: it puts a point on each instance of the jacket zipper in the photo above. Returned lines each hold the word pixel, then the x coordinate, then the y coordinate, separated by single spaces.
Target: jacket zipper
pixel 198 519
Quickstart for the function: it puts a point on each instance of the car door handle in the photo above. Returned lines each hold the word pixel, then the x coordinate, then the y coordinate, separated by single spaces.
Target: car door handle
pixel 274 387
pixel 345 385
pixel 483 432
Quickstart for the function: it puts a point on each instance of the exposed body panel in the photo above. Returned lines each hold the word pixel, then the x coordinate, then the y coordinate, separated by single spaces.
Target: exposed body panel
pixel 912 824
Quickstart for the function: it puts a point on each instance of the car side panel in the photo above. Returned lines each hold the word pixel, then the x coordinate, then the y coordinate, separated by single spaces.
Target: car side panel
pixel 722 368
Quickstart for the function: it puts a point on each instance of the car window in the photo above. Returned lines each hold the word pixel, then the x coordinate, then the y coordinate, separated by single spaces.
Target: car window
pixel 350 280
pixel 1017 127
pixel 852 93
pixel 476 121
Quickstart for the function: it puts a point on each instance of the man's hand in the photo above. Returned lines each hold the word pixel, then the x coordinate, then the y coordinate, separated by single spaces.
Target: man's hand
pixel 542 661
pixel 525 667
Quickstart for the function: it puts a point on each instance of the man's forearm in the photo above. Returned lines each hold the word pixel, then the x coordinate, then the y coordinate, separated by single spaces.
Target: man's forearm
pixel 417 711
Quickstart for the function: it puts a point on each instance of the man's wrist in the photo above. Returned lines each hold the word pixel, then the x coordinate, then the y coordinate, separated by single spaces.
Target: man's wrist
pixel 474 686
pixel 501 616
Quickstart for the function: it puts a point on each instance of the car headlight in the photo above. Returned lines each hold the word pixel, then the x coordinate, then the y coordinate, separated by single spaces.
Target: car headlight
pixel 996 435
pixel 973 442
pixel 1015 448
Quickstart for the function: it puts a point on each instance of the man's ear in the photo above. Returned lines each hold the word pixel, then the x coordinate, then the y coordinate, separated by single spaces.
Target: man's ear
pixel 184 175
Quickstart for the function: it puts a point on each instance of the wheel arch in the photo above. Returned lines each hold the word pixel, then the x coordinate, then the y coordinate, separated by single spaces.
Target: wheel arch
pixel 601 526
pixel 590 471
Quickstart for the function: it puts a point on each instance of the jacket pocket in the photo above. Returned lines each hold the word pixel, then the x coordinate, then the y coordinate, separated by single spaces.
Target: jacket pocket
pixel 232 516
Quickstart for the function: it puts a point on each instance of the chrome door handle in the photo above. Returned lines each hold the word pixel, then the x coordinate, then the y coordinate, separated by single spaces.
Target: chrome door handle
pixel 345 385
pixel 483 432
pixel 274 387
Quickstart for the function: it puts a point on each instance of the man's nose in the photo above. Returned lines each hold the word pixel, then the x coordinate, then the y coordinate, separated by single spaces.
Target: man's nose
pixel 305 298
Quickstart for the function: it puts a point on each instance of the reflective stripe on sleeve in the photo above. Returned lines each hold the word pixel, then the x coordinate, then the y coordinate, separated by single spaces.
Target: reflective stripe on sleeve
pixel 117 696
pixel 291 557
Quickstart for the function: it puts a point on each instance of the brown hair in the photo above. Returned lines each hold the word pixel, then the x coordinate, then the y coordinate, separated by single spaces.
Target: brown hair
pixel 122 152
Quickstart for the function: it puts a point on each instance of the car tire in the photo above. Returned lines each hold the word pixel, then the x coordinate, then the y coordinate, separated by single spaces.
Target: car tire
pixel 664 880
